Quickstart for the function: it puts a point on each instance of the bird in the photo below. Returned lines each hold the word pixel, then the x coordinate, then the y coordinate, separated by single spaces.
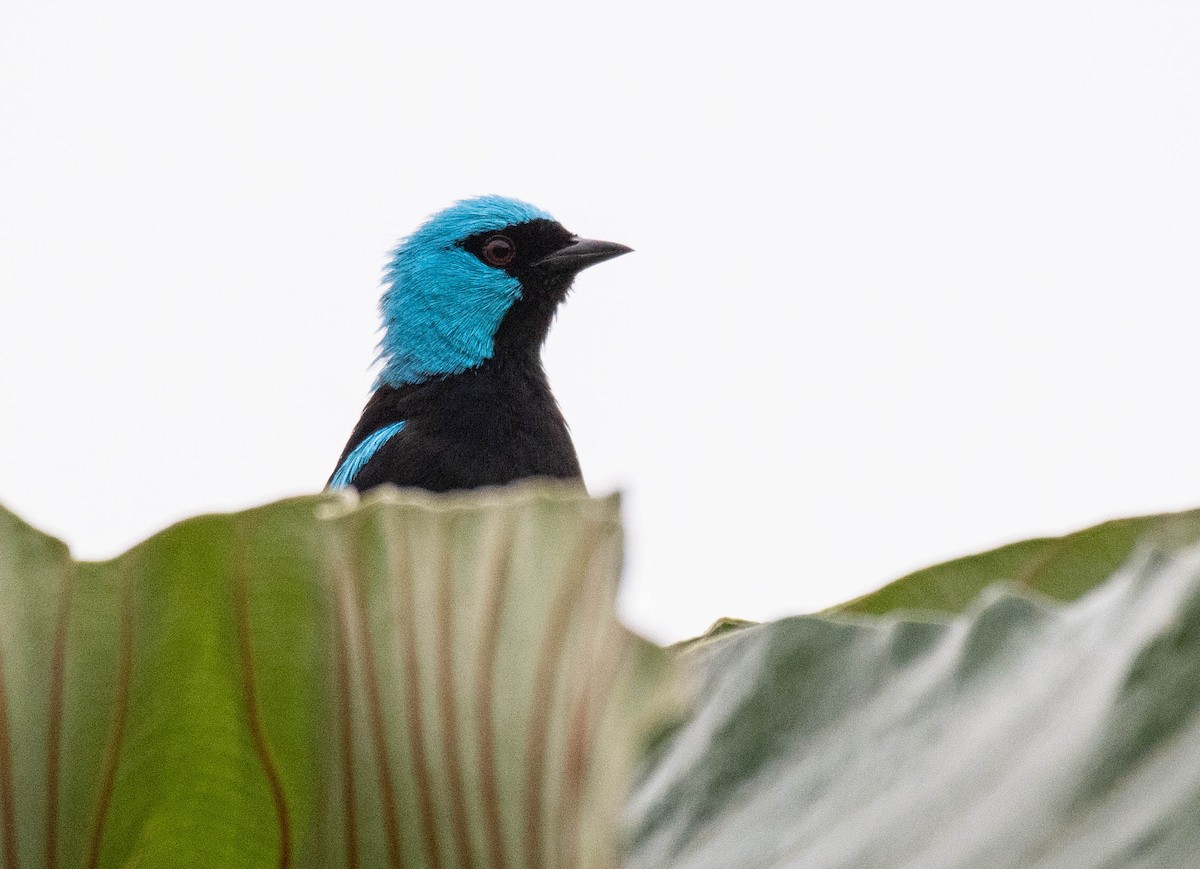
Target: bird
pixel 462 399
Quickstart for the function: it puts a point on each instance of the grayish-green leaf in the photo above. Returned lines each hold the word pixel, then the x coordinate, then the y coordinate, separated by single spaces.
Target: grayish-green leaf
pixel 1023 734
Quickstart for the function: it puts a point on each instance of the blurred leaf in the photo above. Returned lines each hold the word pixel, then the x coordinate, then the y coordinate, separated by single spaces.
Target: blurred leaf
pixel 1059 567
pixel 413 681
pixel 1024 734
pixel 721 626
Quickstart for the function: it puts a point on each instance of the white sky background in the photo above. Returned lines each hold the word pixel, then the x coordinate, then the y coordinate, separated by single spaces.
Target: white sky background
pixel 912 279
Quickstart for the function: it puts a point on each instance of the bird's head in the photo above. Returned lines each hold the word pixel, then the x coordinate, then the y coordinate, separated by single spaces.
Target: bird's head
pixel 481 278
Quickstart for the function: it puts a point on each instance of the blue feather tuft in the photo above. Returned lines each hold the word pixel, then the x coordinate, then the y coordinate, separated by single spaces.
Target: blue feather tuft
pixel 441 306
pixel 361 454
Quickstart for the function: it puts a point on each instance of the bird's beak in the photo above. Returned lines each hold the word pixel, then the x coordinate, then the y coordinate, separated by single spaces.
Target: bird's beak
pixel 580 254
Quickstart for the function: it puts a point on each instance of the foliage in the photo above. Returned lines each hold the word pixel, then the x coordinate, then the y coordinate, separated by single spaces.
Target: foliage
pixel 1021 733
pixel 409 682
pixel 432 681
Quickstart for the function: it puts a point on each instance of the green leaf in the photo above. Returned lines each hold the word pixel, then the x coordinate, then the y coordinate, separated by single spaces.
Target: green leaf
pixel 414 681
pixel 1059 567
pixel 1023 733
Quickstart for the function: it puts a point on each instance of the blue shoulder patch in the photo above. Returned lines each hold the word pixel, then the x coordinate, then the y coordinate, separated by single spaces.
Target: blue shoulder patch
pixel 361 454
pixel 441 306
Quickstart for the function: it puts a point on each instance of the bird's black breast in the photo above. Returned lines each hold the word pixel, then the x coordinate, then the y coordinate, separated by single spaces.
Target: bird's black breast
pixel 490 425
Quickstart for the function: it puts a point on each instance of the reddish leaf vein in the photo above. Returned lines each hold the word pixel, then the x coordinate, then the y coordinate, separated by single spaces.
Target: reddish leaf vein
pixel 241 587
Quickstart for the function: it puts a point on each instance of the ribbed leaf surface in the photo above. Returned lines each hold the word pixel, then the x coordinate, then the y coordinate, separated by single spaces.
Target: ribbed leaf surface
pixel 413 682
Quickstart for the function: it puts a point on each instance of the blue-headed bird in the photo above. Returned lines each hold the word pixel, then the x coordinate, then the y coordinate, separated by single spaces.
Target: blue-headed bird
pixel 462 399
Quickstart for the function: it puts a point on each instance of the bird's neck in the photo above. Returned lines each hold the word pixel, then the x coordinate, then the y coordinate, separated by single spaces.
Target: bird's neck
pixel 511 365
pixel 516 349
pixel 523 331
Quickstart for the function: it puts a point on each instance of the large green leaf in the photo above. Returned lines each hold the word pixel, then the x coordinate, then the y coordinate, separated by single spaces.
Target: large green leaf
pixel 1023 733
pixel 415 681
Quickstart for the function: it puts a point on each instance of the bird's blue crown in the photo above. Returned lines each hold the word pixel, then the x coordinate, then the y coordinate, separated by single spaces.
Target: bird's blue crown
pixel 441 305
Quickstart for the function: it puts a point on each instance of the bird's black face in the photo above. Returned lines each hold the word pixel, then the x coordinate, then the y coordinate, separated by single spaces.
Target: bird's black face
pixel 545 258
pixel 542 255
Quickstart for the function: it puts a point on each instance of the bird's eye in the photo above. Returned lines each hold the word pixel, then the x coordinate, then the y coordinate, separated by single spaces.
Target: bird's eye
pixel 499 251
